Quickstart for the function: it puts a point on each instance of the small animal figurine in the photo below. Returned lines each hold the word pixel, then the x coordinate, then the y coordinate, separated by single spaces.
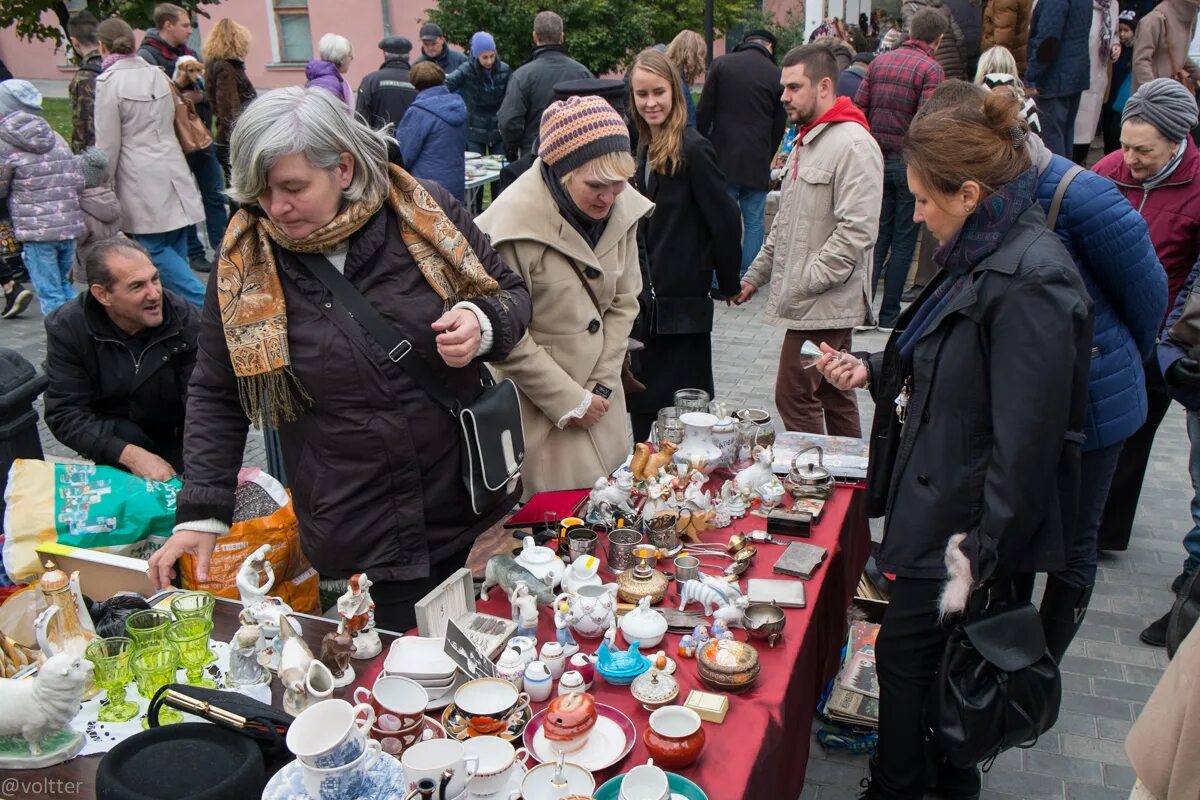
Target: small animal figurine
pixel 336 651
pixel 562 629
pixel 39 709
pixel 658 461
pixel 294 658
pixel 614 495
pixel 524 610
pixel 709 592
pixel 505 572
pixel 244 667
pixel 692 525
pixel 732 615
pixel 356 612
pixel 757 473
pixel 256 576
pixel 637 464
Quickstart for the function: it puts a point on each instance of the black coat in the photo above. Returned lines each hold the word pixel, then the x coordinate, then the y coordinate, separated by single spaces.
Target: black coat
pixel 386 93
pixel 482 103
pixel 695 230
pixel 995 423
pixel 374 463
pixel 530 90
pixel 741 114
pixel 99 376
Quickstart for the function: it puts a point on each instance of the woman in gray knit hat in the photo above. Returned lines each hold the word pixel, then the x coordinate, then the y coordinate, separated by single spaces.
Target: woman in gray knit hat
pixel 1158 171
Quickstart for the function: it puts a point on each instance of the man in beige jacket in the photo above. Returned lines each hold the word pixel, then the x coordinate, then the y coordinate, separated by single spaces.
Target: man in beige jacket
pixel 817 257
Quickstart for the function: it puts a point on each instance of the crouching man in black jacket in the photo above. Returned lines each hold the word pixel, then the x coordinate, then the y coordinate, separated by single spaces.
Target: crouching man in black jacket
pixel 119 357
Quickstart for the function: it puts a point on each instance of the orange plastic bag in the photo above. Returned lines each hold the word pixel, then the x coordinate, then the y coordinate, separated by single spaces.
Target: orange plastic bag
pixel 296 582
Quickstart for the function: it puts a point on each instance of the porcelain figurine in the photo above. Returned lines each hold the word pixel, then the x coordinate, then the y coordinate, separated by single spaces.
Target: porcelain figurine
pixel 709 592
pixel 543 562
pixel 505 572
pixel 64 626
pixel 294 658
pixel 511 668
pixel 356 612
pixel 645 465
pixel 659 498
pixel 644 625
pixel 733 614
pixel 524 610
pixel 692 524
pixel 620 667
pixel 612 495
pixel 268 614
pixel 694 496
pixel 244 667
pixel 562 630
pixel 720 631
pixel 757 473
pixel 692 642
pixel 731 502
pixel 34 728
pixel 256 576
pixel 771 493
pixel 317 686
pixel 591 610
pixel 583 571
pixel 336 650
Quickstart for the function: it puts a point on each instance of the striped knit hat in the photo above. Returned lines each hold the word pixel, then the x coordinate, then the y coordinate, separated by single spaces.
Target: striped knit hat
pixel 576 130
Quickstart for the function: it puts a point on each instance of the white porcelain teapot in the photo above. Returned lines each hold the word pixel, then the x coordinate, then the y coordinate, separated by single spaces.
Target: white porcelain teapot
pixel 543 562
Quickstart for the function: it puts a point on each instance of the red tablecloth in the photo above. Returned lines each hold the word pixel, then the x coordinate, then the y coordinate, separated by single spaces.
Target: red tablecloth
pixel 760 751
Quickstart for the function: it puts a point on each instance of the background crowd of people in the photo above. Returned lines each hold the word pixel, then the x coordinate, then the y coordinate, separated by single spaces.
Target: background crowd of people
pixel 1048 326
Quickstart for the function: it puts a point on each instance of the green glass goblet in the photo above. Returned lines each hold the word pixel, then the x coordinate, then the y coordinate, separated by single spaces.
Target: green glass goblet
pixel 193 604
pixel 190 638
pixel 155 666
pixel 111 657
pixel 148 627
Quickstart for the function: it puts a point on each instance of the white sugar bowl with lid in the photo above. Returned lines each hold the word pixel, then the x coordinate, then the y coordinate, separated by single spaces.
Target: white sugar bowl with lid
pixel 543 562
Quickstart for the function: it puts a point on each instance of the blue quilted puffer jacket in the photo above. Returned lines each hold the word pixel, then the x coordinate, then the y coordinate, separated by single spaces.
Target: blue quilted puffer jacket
pixel 1111 245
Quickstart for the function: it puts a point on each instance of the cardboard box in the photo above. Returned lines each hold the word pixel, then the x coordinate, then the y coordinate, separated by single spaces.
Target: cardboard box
pixel 709 706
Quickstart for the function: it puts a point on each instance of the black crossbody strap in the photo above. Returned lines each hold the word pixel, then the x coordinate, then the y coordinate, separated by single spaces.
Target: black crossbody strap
pixel 398 348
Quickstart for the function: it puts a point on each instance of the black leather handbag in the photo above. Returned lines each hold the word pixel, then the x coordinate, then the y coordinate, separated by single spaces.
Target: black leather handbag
pixel 491 424
pixel 998 687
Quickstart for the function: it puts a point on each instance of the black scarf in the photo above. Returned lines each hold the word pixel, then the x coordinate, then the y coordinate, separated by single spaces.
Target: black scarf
pixel 590 228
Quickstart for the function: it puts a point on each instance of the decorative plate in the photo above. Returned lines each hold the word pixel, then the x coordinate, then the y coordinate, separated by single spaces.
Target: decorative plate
pixel 610 740
pixel 458 727
pixel 681 789
pixel 385 781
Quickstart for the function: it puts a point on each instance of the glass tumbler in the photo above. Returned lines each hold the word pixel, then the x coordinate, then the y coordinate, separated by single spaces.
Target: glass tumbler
pixel 190 639
pixel 154 667
pixel 687 400
pixel 193 604
pixel 670 429
pixel 148 627
pixel 112 673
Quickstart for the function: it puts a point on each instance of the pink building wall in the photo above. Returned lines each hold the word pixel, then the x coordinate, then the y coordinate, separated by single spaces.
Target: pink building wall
pixel 364 27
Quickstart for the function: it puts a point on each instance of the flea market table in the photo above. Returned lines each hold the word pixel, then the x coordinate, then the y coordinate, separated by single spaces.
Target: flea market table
pixel 761 749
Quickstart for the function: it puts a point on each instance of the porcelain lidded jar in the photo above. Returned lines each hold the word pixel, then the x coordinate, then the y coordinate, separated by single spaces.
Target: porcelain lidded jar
pixel 569 720
pixel 697 450
pixel 543 562
pixel 644 625
pixel 511 667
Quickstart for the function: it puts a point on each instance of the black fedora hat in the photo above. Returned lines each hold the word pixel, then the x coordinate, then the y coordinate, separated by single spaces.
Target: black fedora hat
pixel 185 761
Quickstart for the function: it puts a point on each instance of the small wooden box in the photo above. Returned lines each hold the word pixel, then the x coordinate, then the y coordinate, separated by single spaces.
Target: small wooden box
pixel 710 707
pixel 454 600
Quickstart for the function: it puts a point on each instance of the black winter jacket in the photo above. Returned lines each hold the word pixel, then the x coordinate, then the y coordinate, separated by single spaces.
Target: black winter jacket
pixel 99 375
pixel 386 93
pixel 741 115
pixel 482 103
pixel 996 417
pixel 530 90
pixel 374 463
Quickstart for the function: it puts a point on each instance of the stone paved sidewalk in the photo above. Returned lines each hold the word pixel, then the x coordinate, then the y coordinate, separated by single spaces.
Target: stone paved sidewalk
pixel 1108 674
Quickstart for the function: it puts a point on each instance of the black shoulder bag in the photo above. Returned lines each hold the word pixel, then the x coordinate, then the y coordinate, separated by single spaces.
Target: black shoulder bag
pixel 998 687
pixel 493 436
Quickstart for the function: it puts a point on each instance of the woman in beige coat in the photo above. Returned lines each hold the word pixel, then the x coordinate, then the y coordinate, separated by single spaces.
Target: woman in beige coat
pixel 135 127
pixel 569 225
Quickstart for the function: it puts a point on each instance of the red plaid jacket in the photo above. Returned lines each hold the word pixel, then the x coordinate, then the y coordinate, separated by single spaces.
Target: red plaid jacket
pixel 896 86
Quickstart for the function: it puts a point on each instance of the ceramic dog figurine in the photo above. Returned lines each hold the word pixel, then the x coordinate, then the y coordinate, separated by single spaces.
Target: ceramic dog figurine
pixel 757 473
pixel 39 707
pixel 505 572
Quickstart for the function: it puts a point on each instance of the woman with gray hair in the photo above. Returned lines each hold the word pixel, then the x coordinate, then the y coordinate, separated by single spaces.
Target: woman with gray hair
pixel 334 54
pixel 1158 171
pixel 374 461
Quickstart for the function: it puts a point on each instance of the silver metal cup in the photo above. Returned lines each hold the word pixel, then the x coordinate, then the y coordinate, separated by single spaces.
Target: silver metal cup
pixel 621 543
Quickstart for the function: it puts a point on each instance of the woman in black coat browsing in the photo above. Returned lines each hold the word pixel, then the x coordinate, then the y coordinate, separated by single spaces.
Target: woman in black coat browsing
pixel 695 229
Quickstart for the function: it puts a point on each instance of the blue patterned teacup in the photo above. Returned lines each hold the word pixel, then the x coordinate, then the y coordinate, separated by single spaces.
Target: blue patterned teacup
pixel 341 783
pixel 330 734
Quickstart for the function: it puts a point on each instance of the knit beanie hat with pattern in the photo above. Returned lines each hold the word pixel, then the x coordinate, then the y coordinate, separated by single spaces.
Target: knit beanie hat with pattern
pixel 576 130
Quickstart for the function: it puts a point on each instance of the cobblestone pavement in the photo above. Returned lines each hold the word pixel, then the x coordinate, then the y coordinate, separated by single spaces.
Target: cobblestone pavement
pixel 1108 674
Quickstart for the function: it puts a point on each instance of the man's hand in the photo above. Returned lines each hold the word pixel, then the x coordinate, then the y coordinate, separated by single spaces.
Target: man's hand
pixel 747 292
pixel 197 543
pixel 842 371
pixel 1116 50
pixel 144 464
pixel 596 410
pixel 458 336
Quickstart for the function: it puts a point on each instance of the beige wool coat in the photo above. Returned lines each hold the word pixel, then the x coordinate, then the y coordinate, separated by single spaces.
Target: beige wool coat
pixel 1171 19
pixel 817 257
pixel 1163 742
pixel 135 127
pixel 569 347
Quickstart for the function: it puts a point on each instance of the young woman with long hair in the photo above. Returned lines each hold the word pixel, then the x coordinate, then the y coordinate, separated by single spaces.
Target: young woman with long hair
pixel 694 231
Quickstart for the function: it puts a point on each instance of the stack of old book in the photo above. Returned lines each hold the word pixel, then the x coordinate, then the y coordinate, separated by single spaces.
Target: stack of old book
pixel 854 698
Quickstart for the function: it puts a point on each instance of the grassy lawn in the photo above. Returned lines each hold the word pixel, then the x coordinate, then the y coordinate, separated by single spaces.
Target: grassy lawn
pixel 57 111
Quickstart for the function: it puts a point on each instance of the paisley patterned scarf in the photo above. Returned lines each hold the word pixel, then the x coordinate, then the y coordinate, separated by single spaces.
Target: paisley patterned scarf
pixel 251 298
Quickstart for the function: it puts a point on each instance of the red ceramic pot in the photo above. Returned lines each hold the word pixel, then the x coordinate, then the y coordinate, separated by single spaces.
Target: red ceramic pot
pixel 675 737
